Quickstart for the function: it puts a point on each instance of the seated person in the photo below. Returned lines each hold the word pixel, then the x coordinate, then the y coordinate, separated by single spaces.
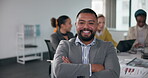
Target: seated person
pixel 63 32
pixel 102 32
pixel 85 56
pixel 140 31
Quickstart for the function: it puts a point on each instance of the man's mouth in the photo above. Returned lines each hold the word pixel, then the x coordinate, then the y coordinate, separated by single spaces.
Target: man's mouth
pixel 86 32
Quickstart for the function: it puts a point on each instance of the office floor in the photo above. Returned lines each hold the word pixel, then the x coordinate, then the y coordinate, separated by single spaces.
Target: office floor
pixel 32 69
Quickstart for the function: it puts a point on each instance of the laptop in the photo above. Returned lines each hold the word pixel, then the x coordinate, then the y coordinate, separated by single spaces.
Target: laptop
pixel 125 45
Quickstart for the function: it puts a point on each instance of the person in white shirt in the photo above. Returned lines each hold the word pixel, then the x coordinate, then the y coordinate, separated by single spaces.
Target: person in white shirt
pixel 140 31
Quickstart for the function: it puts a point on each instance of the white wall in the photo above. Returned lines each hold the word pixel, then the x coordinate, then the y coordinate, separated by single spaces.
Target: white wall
pixel 14 13
pixel 118 35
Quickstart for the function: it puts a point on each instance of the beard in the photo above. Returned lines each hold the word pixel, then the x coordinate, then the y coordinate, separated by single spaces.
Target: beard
pixel 87 38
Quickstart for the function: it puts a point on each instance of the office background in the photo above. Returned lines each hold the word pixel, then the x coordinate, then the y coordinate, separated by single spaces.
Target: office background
pixel 14 13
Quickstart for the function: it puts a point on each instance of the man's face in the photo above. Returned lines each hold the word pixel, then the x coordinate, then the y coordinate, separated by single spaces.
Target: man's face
pixel 141 20
pixel 86 25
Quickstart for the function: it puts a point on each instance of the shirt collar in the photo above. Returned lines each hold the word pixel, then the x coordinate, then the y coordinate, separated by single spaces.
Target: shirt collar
pixel 77 41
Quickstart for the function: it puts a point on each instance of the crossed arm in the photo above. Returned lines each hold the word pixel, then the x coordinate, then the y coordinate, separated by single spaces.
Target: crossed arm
pixel 66 67
pixel 94 67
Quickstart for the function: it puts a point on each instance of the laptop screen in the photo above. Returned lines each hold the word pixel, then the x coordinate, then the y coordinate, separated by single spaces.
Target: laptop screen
pixel 125 45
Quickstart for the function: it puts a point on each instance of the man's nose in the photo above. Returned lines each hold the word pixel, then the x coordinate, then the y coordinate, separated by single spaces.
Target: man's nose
pixel 86 25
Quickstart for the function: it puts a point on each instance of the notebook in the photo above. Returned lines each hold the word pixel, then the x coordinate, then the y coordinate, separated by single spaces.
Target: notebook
pixel 125 45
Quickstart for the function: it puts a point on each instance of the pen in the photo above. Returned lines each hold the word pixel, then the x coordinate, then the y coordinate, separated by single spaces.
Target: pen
pixel 130 61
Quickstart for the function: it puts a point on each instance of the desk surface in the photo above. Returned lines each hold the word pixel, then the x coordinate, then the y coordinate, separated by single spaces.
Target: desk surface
pixel 126 71
pixel 125 55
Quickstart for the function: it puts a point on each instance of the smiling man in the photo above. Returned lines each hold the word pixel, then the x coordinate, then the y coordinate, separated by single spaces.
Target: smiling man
pixel 85 56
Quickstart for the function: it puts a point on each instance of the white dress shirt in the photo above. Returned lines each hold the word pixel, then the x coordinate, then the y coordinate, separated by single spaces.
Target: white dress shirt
pixel 85 51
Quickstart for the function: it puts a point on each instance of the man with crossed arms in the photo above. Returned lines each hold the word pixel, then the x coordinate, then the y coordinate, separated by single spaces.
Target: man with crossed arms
pixel 85 56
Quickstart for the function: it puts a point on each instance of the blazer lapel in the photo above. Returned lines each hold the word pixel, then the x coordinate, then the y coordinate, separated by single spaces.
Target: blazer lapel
pixel 79 53
pixel 76 53
pixel 93 51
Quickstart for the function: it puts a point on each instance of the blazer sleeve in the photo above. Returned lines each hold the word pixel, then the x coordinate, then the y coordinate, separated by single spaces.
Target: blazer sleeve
pixel 68 70
pixel 111 64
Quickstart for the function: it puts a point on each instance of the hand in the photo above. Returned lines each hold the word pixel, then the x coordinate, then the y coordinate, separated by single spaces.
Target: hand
pixel 97 67
pixel 138 45
pixel 65 59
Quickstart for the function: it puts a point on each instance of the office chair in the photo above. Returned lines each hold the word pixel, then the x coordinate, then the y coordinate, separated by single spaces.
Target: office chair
pixel 51 52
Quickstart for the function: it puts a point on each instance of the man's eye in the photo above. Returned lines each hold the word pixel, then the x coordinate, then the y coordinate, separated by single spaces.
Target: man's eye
pixel 91 23
pixel 81 22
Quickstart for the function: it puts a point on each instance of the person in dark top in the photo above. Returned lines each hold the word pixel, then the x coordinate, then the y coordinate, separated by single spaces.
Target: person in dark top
pixel 63 32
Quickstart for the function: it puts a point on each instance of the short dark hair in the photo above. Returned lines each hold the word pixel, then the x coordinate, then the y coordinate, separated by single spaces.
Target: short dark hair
pixel 140 12
pixel 62 20
pixel 87 10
